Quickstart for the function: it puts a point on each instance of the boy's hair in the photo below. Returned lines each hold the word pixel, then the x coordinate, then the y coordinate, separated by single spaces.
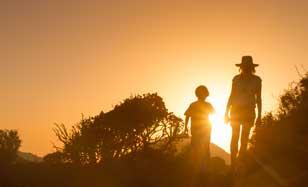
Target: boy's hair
pixel 202 92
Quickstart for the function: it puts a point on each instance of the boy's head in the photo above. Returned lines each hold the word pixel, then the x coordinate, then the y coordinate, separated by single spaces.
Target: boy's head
pixel 201 92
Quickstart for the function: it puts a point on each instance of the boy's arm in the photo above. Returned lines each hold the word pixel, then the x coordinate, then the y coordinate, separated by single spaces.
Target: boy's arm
pixel 187 116
pixel 186 125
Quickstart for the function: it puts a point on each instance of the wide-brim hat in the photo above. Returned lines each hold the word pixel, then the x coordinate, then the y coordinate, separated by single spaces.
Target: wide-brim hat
pixel 247 61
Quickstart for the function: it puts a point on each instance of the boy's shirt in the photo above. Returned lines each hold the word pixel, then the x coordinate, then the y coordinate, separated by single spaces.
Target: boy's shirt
pixel 199 112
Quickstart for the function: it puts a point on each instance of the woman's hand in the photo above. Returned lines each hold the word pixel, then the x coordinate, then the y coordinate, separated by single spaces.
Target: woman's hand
pixel 258 121
pixel 227 119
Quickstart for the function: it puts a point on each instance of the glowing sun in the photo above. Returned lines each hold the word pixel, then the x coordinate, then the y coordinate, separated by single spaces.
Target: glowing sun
pixel 221 132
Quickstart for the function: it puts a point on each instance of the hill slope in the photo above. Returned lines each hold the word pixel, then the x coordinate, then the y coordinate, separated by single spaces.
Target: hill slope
pixel 29 157
pixel 216 151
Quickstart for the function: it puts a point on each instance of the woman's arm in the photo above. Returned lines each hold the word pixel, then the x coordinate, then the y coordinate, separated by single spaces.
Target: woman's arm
pixel 229 104
pixel 259 105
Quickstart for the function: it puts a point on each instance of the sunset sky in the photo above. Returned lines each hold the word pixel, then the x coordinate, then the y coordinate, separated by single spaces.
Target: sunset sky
pixel 63 58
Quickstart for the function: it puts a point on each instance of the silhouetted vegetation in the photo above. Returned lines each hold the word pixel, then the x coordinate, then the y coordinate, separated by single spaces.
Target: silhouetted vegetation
pixel 282 141
pixel 9 145
pixel 136 124
pixel 146 168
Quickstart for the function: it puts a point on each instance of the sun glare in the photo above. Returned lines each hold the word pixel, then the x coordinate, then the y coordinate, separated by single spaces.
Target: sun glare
pixel 221 132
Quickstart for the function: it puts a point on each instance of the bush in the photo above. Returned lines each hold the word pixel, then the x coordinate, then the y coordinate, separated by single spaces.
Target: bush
pixel 135 124
pixel 9 145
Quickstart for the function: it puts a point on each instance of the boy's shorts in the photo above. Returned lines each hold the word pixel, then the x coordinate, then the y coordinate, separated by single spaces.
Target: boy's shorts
pixel 201 137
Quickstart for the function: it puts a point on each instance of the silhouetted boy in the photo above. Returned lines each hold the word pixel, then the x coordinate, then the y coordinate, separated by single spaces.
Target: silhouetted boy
pixel 199 112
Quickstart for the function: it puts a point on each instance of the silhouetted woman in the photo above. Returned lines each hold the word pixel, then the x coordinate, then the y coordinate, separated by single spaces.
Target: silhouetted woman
pixel 245 95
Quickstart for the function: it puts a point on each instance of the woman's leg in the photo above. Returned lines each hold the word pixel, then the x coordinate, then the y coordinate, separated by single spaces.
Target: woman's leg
pixel 244 139
pixel 234 141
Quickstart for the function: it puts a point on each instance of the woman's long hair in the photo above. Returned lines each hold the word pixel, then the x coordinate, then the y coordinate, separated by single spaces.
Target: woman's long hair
pixel 247 70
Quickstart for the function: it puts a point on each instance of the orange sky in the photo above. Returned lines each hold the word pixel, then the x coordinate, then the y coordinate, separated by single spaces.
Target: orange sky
pixel 59 60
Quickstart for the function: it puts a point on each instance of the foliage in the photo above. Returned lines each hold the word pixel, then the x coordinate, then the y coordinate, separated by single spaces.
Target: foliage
pixel 9 145
pixel 282 139
pixel 54 158
pixel 136 124
pixel 149 167
pixel 290 121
